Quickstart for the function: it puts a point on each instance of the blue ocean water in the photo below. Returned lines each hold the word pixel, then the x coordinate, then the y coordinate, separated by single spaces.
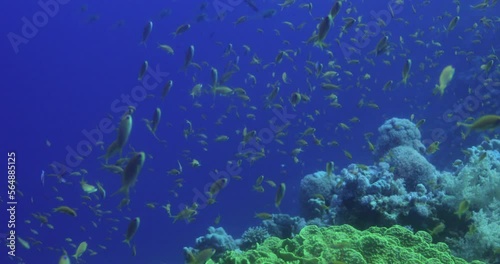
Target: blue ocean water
pixel 73 69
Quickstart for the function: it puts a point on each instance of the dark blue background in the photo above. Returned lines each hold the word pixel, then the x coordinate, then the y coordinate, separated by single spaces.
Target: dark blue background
pixel 65 79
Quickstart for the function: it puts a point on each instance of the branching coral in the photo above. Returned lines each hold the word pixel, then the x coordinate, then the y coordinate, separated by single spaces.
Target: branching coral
pixel 253 236
pixel 478 183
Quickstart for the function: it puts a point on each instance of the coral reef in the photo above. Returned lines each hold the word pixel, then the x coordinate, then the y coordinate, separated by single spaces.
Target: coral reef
pixel 347 245
pixel 312 187
pixel 361 190
pixel 217 238
pixel 412 166
pixel 478 183
pixel 398 132
pixel 375 188
pixel 478 180
pixel 253 236
pixel 283 225
pixel 404 189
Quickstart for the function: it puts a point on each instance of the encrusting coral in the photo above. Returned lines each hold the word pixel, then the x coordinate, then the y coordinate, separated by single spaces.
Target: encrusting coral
pixel 345 244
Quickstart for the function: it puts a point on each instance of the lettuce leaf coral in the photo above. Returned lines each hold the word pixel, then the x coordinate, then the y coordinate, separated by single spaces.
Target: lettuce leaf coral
pixel 345 244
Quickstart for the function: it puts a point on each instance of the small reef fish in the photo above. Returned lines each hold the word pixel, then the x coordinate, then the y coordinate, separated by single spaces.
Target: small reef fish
pixel 181 29
pixel 189 57
pixel 131 172
pixel 323 29
pixel 200 257
pixel 406 70
pixel 87 188
pixel 463 208
pixel 64 259
pixel 123 134
pixel 42 178
pixel 438 229
pixel 483 123
pixel 329 168
pixel 167 88
pixel 146 32
pixel 142 71
pixel 65 210
pixel 132 229
pixel 453 23
pixel 280 193
pixel 80 250
pixel 433 147
pixel 444 79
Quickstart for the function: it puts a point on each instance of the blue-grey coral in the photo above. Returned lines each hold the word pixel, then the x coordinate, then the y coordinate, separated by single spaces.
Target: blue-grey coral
pixel 311 186
pixel 398 132
pixel 377 189
pixel 283 225
pixel 253 236
pixel 217 238
pixel 412 166
pixel 357 190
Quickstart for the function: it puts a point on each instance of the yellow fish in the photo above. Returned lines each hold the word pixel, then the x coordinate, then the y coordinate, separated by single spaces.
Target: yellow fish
pixel 486 122
pixel 463 207
pixel 444 79
pixel 64 259
pixel 66 210
pixel 80 250
pixel 432 148
pixel 280 193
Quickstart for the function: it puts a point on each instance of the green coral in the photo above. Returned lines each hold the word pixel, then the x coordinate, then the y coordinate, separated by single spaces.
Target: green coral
pixel 345 244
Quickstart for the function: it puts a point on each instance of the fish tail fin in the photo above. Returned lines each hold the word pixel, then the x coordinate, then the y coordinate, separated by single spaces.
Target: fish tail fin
pixel 105 157
pixel 436 90
pixel 126 241
pixel 322 45
pixel 190 258
pixel 124 190
pixel 112 150
pixel 468 126
pixel 143 43
pixel 184 69
pixel 212 88
pixel 164 142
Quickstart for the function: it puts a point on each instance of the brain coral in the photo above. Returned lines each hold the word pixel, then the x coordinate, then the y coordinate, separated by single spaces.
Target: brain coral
pixel 345 244
pixel 412 166
pixel 311 186
pixel 398 132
